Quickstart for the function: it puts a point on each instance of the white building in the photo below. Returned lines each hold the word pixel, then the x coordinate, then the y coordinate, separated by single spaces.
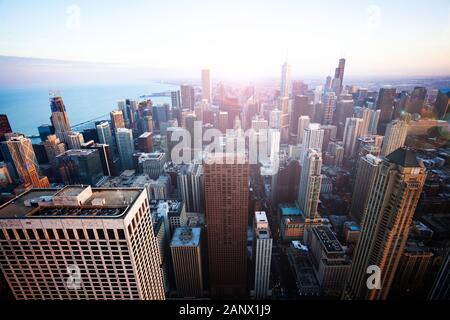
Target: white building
pixel 262 255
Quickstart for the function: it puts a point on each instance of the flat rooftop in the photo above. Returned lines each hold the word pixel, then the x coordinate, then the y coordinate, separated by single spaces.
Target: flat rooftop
pixel 186 237
pixel 328 239
pixel 290 211
pixel 38 203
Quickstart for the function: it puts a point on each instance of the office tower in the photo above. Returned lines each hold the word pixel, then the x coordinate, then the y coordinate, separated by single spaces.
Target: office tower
pixel 312 139
pixel 351 133
pixel 274 137
pixel 328 106
pixel 416 100
pixel 310 184
pixel 145 142
pixel 75 140
pixel 59 118
pixel 152 164
pixel 300 107
pixel 87 220
pixel 299 88
pixel 147 124
pixel 104 134
pixel 303 124
pixel 223 121
pixel 160 115
pixel 337 152
pixel 385 103
pixel 160 188
pixel 275 119
pixel 187 262
pixel 53 147
pixel 395 137
pixel 44 131
pixel 330 264
pixel 24 159
pixel 5 177
pixel 367 167
pixel 190 184
pixel 90 135
pixel 117 120
pixel 344 109
pixel 125 147
pixel 259 123
pixel 187 97
pixel 5 127
pixel 393 196
pixel 262 255
pixel 370 145
pixel 106 157
pixel 285 183
pixel 442 103
pixel 370 120
pixel 206 85
pixel 441 287
pixel 328 84
pixel 285 80
pixel 338 81
pixel 80 166
pixel 329 133
pixel 226 207
pixel 176 99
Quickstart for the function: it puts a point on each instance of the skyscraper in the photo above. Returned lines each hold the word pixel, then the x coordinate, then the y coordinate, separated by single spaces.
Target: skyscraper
pixel 75 140
pixel 125 147
pixel 53 147
pixel 5 127
pixel 338 81
pixel 187 262
pixel 442 103
pixel 285 80
pixel 206 85
pixel 300 107
pixel 312 139
pixel 104 133
pixel 352 132
pixel 441 287
pixel 416 100
pixel 385 103
pixel 226 207
pixel 59 118
pixel 176 99
pixel 310 184
pixel 80 166
pixel 117 119
pixel 367 167
pixel 190 184
pixel 187 97
pixel 91 244
pixel 393 196
pixel 262 255
pixel 328 106
pixel 395 137
pixel 303 124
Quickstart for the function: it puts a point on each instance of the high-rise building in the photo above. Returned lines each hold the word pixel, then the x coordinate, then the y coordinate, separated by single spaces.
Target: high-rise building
pixel 303 124
pixel 104 133
pixel 176 99
pixel 145 142
pixel 45 130
pixel 367 167
pixel 53 148
pixel 117 120
pixel 385 103
pixel 59 118
pixel 226 207
pixel 187 262
pixel 24 159
pixel 393 196
pixel 222 121
pixel 80 166
pixel 328 106
pixel 441 287
pixel 262 255
pixel 5 127
pixel 187 97
pixel 344 109
pixel 416 100
pixel 152 164
pixel 310 184
pixel 275 119
pixel 75 140
pixel 190 184
pixel 125 147
pixel 300 107
pixel 285 80
pixel 312 139
pixel 206 85
pixel 336 150
pixel 338 81
pixel 395 137
pixel 68 228
pixel 442 103
pixel 352 132
pixel 106 156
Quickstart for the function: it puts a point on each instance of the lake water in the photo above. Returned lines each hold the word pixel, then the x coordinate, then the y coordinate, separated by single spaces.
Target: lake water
pixel 29 108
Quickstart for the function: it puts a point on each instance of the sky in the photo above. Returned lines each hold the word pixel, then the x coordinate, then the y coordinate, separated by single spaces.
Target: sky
pixel 236 38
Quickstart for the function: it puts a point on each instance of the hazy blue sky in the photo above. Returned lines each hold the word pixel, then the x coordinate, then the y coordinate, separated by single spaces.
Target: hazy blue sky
pixel 236 38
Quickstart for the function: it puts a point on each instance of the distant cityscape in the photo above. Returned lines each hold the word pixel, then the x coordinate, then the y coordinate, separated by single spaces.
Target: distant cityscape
pixel 350 198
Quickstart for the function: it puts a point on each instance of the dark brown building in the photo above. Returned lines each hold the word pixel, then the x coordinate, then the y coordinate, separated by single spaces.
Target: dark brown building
pixel 4 126
pixel 226 200
pixel 145 142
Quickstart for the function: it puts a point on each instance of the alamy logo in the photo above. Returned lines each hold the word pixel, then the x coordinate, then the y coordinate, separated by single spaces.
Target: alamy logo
pixel 74 280
pixel 374 280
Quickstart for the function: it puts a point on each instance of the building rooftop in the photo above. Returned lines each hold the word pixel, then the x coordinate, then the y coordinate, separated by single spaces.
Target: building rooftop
pixel 77 152
pixel 186 237
pixel 328 239
pixel 404 157
pixel 71 201
pixel 287 210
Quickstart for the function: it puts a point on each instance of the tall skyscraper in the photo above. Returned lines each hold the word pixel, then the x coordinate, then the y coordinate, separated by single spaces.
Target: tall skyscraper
pixel 441 287
pixel 190 184
pixel 310 184
pixel 300 107
pixel 442 103
pixel 106 156
pixel 416 100
pixel 385 103
pixel 125 147
pixel 226 207
pixel 395 137
pixel 24 160
pixel 352 132
pixel 176 99
pixel 367 167
pixel 262 255
pixel 393 196
pixel 53 148
pixel 312 139
pixel 344 109
pixel 59 118
pixel 79 233
pixel 338 81
pixel 5 127
pixel 303 124
pixel 285 80
pixel 117 119
pixel 75 140
pixel 187 97
pixel 80 166
pixel 328 106
pixel 275 119
pixel 187 262
pixel 104 133
pixel 206 85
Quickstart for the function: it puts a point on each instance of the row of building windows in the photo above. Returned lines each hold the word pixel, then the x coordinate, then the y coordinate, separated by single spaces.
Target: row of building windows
pixel 60 234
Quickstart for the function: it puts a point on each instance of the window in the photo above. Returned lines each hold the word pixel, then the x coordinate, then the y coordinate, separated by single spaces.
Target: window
pixel 41 234
pixel 101 234
pixel 81 234
pixel 51 234
pixel 111 234
pixel 2 235
pixel 60 233
pixel 91 234
pixel 70 233
pixel 121 234
pixel 21 234
pixel 31 234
